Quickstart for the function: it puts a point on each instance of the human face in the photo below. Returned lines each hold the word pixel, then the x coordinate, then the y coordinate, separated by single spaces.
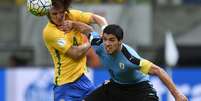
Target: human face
pixel 111 43
pixel 57 15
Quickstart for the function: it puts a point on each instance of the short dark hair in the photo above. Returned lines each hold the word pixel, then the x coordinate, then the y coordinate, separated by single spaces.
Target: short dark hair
pixel 58 4
pixel 115 30
pixel 66 3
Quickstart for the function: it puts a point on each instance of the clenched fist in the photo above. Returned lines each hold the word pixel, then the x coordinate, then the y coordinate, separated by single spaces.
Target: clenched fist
pixel 67 26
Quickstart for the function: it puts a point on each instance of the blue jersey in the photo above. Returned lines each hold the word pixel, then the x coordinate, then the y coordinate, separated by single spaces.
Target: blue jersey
pixel 121 69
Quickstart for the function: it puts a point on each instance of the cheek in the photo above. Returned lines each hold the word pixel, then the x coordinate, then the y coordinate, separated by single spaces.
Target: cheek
pixel 115 46
pixel 54 18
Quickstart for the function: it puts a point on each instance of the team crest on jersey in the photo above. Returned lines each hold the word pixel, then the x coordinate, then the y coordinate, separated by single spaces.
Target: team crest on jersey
pixel 61 42
pixel 121 66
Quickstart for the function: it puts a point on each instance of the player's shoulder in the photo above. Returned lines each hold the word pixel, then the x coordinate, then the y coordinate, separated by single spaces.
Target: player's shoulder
pixel 131 50
pixel 47 29
pixel 49 26
pixel 74 11
pixel 50 31
pixel 74 14
pixel 78 12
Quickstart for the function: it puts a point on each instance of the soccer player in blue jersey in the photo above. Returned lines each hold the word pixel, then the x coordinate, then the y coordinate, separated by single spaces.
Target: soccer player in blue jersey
pixel 128 71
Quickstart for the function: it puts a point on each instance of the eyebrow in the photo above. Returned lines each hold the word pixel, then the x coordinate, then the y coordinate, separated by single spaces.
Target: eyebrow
pixel 112 38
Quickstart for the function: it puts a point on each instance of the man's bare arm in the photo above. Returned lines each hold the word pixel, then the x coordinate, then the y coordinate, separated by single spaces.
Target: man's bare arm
pixel 82 27
pixel 156 70
pixel 77 52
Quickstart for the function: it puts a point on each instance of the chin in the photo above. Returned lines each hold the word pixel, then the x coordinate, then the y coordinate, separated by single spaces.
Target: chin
pixel 109 52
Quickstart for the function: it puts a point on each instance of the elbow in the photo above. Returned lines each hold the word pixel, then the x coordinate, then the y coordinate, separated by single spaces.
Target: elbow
pixel 94 65
pixel 155 70
pixel 76 56
pixel 87 30
pixel 98 19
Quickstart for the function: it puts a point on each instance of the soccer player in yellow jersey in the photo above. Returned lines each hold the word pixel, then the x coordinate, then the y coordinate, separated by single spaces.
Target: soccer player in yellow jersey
pixel 64 39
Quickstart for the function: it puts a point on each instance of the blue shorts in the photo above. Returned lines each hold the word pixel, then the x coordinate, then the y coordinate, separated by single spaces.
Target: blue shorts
pixel 75 91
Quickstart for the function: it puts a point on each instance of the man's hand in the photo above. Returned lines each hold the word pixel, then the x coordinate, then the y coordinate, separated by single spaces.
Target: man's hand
pixel 180 97
pixel 67 26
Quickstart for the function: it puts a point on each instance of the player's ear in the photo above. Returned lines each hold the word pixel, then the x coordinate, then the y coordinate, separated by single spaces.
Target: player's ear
pixel 120 42
pixel 101 34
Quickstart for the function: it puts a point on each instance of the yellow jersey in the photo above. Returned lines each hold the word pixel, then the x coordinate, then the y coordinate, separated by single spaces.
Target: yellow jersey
pixel 66 69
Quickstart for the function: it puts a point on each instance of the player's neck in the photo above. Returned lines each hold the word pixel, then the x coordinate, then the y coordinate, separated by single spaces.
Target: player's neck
pixel 120 47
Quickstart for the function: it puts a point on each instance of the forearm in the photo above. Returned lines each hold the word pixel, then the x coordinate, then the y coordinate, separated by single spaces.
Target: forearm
pixel 82 27
pixel 164 77
pixel 92 58
pixel 76 52
pixel 101 21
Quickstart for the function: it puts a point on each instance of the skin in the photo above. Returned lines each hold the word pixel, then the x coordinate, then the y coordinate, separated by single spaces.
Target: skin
pixel 111 43
pixel 157 71
pixel 57 15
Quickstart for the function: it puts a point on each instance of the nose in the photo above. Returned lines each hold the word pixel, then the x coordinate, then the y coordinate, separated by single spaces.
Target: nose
pixel 59 15
pixel 107 43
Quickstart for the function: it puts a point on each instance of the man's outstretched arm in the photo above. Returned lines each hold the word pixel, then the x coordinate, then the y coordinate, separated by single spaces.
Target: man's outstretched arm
pixel 164 77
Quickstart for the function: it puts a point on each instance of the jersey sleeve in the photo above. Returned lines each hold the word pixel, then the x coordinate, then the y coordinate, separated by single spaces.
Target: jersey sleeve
pixel 145 66
pixel 55 38
pixel 132 52
pixel 85 17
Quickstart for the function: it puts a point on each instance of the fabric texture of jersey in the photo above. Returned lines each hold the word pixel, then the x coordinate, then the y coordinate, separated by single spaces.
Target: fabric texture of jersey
pixel 66 69
pixel 121 69
pixel 77 15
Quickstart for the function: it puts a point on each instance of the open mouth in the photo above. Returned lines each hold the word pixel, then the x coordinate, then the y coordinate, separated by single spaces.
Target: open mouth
pixel 108 48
